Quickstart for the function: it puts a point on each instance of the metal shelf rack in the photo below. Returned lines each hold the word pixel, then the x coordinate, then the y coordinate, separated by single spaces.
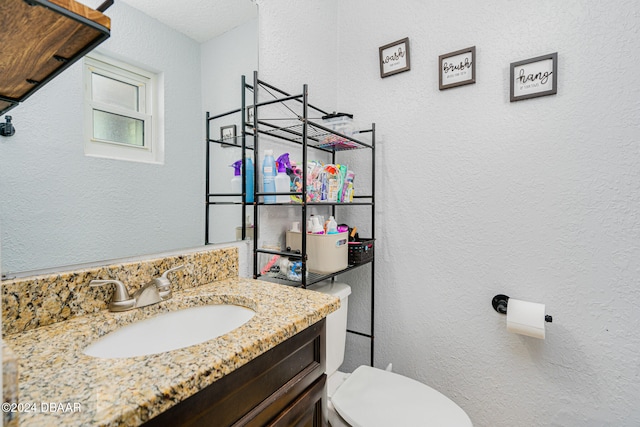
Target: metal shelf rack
pixel 296 126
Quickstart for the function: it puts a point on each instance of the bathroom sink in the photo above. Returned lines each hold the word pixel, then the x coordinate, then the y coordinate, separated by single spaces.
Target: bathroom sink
pixel 170 331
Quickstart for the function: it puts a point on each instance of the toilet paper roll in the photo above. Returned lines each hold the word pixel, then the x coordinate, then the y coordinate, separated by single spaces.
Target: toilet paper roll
pixel 526 318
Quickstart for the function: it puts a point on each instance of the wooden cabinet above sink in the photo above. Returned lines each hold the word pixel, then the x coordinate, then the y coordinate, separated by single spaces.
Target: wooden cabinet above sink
pixel 41 38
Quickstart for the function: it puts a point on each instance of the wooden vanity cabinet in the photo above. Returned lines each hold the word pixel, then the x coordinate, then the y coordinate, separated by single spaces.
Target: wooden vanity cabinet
pixel 282 387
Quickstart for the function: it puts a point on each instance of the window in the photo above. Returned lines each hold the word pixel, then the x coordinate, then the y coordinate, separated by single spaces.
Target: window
pixel 121 116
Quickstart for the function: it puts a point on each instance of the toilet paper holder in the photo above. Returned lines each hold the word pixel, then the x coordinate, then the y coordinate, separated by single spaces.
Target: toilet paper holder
pixel 500 303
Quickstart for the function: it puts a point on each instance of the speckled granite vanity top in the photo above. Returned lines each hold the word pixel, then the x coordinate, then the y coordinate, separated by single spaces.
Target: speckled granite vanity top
pixel 77 389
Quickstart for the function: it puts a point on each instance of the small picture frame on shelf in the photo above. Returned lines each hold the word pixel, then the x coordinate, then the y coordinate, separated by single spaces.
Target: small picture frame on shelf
pixel 534 77
pixel 394 58
pixel 457 68
pixel 228 133
pixel 249 119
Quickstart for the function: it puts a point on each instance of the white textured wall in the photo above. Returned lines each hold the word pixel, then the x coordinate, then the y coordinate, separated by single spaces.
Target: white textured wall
pixel 298 42
pixel 298 45
pixel 477 196
pixel 59 207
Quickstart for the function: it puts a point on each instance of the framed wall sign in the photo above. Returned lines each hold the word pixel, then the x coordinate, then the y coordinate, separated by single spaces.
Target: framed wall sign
pixel 250 116
pixel 534 77
pixel 227 132
pixel 394 58
pixel 457 68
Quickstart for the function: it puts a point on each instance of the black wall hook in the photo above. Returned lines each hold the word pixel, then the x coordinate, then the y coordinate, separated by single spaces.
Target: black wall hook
pixel 7 129
pixel 500 303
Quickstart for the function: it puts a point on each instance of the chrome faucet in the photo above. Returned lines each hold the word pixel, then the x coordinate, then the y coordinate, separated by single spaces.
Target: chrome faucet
pixel 155 291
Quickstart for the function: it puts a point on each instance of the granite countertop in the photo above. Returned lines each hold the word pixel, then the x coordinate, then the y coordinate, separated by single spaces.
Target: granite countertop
pixel 61 386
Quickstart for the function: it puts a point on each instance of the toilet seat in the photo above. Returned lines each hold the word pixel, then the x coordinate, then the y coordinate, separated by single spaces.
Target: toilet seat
pixel 371 397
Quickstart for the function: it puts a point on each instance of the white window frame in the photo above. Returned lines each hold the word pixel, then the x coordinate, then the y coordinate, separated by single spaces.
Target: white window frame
pixel 148 83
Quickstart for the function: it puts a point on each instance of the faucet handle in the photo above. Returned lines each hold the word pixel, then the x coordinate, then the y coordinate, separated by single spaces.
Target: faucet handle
pixel 121 300
pixel 164 275
pixel 164 284
pixel 120 293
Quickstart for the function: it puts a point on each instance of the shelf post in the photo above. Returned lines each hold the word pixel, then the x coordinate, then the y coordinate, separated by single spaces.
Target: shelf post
pixel 256 168
pixel 303 239
pixel 207 188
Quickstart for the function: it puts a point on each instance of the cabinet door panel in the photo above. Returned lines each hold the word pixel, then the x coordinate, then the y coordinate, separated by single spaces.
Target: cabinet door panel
pixel 257 392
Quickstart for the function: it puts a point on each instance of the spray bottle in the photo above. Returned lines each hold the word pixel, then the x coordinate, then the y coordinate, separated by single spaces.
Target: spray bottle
pixel 268 176
pixel 236 181
pixel 282 180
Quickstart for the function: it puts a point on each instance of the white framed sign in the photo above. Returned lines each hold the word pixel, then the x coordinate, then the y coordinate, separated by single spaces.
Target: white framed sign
pixel 534 77
pixel 457 68
pixel 394 58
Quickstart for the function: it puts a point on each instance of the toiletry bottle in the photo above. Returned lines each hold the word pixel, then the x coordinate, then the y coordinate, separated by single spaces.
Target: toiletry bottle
pixel 236 181
pixel 268 176
pixel 332 183
pixel 250 172
pixel 316 226
pixel 332 225
pixel 282 180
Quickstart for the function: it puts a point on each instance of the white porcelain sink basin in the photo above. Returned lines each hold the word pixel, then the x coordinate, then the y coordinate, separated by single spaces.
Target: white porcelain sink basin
pixel 170 331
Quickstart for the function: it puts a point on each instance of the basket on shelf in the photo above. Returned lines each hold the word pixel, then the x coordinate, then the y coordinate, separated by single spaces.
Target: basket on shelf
pixel 360 251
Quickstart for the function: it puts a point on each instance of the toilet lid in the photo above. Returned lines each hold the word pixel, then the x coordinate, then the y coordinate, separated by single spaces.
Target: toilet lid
pixel 371 397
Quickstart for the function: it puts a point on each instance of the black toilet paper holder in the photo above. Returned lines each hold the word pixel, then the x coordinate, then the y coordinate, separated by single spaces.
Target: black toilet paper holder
pixel 500 303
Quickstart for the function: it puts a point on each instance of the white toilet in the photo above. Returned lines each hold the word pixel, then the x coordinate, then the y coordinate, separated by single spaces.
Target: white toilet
pixel 371 397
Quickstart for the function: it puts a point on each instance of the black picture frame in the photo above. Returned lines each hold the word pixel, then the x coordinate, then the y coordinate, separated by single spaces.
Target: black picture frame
pixel 228 133
pixel 249 118
pixel 457 68
pixel 394 58
pixel 534 77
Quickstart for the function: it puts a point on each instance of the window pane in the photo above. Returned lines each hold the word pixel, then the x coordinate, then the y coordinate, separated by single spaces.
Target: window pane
pixel 114 92
pixel 116 128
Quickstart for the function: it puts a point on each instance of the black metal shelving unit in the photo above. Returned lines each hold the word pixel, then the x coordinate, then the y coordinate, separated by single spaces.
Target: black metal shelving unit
pixel 294 126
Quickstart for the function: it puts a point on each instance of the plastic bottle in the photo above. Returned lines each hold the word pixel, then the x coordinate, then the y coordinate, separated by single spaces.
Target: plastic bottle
pixel 333 186
pixel 316 226
pixel 250 172
pixel 268 176
pixel 236 181
pixel 282 180
pixel 332 225
pixel 310 224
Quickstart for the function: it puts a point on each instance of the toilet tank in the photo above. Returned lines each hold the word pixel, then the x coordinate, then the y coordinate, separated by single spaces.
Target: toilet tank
pixel 336 323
